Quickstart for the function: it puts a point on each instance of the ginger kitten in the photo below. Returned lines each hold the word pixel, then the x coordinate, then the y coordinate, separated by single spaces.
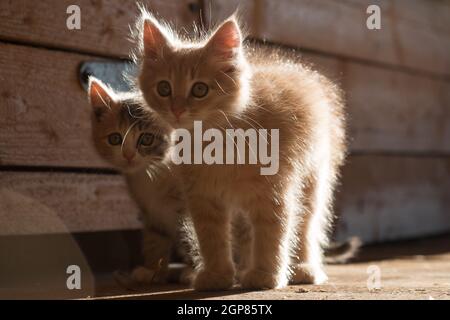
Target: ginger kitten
pixel 126 136
pixel 212 80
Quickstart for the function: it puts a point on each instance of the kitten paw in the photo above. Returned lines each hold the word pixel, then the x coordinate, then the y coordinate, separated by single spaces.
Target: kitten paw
pixel 305 274
pixel 258 279
pixel 143 275
pixel 125 280
pixel 207 280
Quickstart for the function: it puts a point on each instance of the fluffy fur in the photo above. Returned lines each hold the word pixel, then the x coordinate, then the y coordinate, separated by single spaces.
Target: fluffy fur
pixel 150 181
pixel 289 212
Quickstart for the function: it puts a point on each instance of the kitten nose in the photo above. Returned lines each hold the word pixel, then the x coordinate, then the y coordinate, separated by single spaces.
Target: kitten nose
pixel 129 156
pixel 177 111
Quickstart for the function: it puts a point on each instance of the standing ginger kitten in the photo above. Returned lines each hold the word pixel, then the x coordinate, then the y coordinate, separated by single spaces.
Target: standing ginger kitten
pixel 212 80
pixel 136 146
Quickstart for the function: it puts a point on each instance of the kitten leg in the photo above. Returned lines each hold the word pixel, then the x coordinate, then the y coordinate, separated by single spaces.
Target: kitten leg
pixel 188 249
pixel 270 258
pixel 242 243
pixel 312 232
pixel 212 225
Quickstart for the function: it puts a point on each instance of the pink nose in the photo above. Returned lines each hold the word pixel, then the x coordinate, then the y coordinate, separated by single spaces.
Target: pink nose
pixel 129 156
pixel 177 111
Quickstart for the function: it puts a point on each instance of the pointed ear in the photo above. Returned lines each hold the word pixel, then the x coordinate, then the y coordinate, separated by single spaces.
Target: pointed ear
pixel 155 40
pixel 100 96
pixel 227 40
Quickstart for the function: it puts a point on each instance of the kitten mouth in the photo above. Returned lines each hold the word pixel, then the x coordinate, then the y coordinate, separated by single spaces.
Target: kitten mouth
pixel 185 123
pixel 131 168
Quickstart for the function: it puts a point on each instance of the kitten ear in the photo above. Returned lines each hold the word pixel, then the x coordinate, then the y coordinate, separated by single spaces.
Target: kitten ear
pixel 227 40
pixel 154 38
pixel 100 96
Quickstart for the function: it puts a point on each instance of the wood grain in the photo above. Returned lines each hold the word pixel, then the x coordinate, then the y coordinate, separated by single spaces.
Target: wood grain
pixel 391 111
pixel 36 203
pixel 44 114
pixel 104 24
pixel 380 198
pixel 414 33
pixel 391 198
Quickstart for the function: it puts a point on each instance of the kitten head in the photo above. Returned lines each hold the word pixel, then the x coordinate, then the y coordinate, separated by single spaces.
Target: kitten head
pixel 187 80
pixel 124 132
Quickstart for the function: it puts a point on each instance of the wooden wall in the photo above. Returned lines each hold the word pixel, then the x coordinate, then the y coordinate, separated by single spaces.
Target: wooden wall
pixel 396 183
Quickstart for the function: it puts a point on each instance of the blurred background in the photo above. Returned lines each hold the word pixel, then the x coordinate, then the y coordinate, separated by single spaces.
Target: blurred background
pixel 60 204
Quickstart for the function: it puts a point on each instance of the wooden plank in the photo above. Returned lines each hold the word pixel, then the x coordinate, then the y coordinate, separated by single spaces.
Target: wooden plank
pixel 381 198
pixel 44 114
pixel 389 110
pixel 104 24
pixel 391 198
pixel 418 40
pixel 37 203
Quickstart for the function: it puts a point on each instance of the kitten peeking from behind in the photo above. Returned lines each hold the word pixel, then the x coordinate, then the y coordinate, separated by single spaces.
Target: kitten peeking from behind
pixel 126 136
pixel 226 85
pixel 123 135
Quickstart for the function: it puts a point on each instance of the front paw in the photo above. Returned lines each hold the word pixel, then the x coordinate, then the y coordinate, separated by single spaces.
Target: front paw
pixel 143 275
pixel 208 280
pixel 259 279
pixel 147 276
pixel 306 274
pixel 125 280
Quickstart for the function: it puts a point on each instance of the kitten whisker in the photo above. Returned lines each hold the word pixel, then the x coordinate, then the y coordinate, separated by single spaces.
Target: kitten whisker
pixel 226 93
pixel 241 118
pixel 234 82
pixel 261 107
pixel 237 149
pixel 227 133
pixel 250 148
pixel 126 134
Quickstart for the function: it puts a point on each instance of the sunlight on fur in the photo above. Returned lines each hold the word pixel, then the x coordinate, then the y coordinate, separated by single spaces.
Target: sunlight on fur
pixel 219 80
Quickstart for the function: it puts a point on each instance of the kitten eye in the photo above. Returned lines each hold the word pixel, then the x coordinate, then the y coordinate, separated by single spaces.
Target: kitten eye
pixel 115 139
pixel 146 139
pixel 164 89
pixel 199 89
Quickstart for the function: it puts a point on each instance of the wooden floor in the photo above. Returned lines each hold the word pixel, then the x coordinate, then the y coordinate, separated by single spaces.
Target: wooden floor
pixel 417 269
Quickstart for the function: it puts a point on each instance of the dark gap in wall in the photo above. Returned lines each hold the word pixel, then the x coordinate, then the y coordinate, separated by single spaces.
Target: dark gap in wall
pixel 50 169
pixel 106 171
pixel 402 154
pixel 38 45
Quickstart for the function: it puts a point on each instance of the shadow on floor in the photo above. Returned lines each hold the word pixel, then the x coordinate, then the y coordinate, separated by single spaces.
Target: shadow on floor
pixel 404 249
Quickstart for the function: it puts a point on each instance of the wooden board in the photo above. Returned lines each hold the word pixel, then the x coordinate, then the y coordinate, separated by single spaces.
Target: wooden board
pixel 44 116
pixel 381 198
pixel 414 34
pixel 391 111
pixel 391 198
pixel 36 203
pixel 104 24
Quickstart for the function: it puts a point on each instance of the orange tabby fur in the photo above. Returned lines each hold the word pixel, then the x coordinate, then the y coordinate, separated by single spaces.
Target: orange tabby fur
pixel 290 211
